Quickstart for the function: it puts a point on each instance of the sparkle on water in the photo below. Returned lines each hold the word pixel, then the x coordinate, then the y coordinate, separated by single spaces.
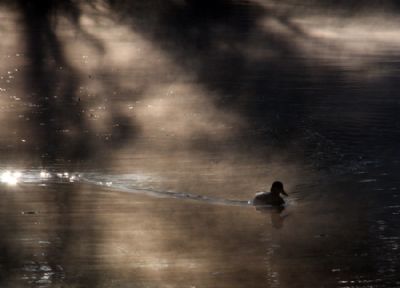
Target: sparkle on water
pixel 11 177
pixel 14 177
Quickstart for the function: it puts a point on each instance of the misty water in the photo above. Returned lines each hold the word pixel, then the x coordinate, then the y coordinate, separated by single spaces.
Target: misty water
pixel 134 135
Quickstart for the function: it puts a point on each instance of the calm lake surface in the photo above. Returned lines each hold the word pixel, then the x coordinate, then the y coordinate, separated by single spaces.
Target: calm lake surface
pixel 134 135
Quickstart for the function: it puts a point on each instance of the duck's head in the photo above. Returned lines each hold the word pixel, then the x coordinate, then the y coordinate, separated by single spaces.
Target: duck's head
pixel 277 188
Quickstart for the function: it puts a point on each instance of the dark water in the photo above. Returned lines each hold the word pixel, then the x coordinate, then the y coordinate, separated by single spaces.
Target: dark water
pixel 134 134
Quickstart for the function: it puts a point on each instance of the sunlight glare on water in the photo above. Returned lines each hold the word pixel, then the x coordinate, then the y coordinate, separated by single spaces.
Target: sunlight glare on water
pixel 10 177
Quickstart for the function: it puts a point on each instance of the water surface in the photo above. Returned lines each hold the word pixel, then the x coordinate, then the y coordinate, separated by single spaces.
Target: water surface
pixel 134 135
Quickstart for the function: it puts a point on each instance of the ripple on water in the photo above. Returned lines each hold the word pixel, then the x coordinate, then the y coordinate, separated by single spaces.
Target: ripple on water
pixel 41 273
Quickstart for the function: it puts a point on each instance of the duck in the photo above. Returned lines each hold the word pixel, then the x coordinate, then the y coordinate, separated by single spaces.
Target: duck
pixel 272 198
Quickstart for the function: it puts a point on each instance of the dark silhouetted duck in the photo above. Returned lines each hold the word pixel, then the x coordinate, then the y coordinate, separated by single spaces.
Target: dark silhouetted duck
pixel 272 198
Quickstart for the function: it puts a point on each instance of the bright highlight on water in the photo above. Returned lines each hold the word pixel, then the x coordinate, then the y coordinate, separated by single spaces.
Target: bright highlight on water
pixel 13 178
pixel 129 183
pixel 10 177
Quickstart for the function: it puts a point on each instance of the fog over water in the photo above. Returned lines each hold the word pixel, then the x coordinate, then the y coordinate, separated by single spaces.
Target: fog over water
pixel 134 135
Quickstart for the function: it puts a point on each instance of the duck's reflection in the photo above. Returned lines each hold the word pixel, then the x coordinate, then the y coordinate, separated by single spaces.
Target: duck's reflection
pixel 277 214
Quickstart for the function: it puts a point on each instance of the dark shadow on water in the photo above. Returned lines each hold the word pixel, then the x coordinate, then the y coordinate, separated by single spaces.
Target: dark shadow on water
pixel 277 93
pixel 60 127
pixel 214 40
pixel 10 253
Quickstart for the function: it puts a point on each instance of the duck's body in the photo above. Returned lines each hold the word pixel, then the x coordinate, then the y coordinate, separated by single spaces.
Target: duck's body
pixel 268 198
pixel 272 198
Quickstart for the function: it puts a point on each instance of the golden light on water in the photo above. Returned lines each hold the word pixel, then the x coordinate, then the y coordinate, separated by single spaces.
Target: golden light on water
pixel 10 177
pixel 44 174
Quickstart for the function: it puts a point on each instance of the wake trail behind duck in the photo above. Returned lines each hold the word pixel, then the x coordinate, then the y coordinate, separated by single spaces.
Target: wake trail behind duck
pixel 164 194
